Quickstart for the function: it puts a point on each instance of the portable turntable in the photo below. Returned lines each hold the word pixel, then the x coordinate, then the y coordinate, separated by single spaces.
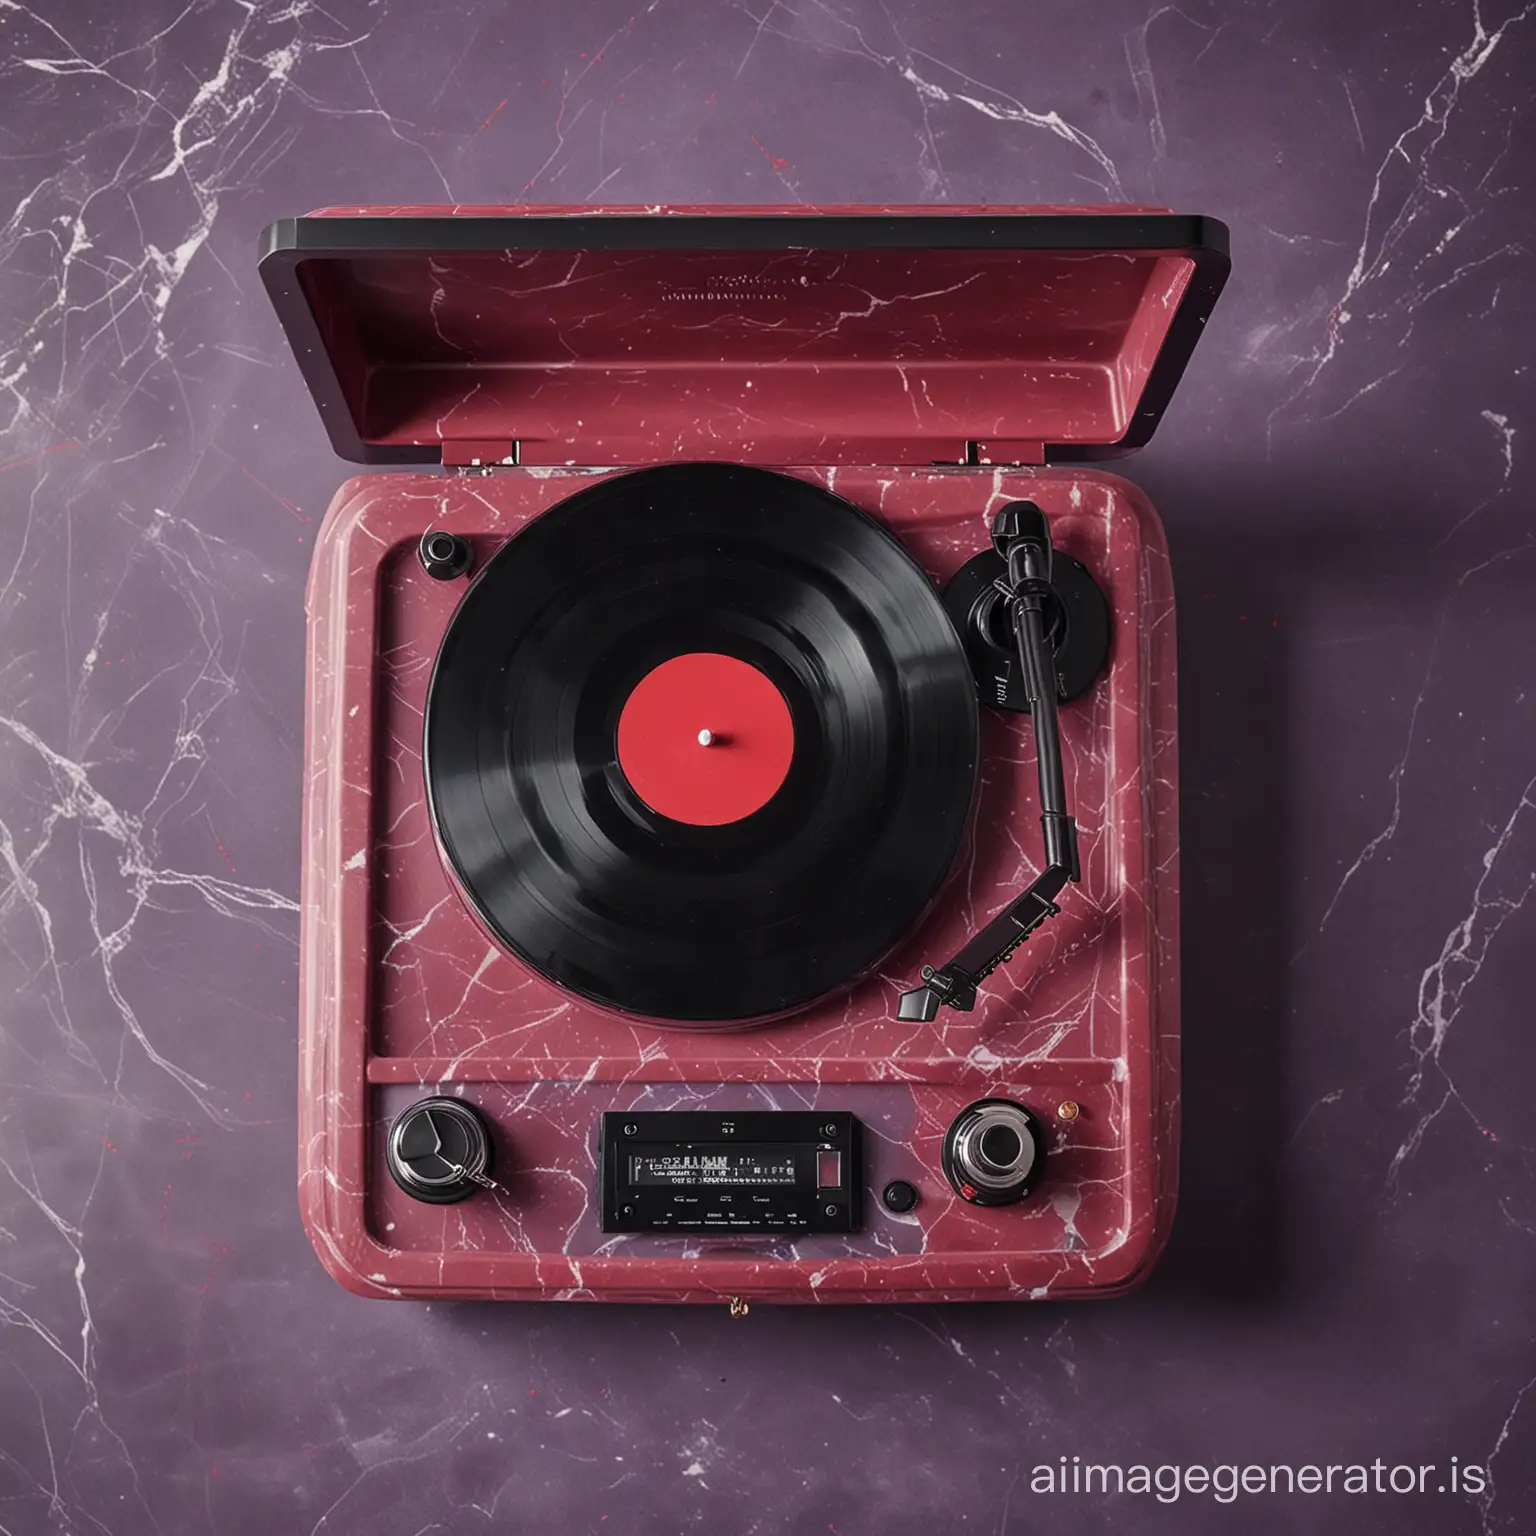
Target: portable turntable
pixel 740 815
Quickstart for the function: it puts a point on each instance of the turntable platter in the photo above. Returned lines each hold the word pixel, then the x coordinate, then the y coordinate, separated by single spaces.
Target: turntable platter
pixel 701 744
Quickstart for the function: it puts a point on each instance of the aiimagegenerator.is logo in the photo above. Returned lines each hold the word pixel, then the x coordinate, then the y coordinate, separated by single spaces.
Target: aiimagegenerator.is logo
pixel 1168 1484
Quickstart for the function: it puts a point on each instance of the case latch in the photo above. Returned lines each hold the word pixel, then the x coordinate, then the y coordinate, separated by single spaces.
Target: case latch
pixel 478 453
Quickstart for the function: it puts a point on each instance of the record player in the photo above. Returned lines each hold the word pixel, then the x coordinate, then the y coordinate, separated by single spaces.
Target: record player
pixel 740 825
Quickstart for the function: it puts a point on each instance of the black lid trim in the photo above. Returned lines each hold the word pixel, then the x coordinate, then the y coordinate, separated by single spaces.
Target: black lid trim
pixel 288 242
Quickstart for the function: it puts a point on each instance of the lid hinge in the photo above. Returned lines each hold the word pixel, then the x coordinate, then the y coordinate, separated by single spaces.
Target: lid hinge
pixel 484 454
pixel 1004 450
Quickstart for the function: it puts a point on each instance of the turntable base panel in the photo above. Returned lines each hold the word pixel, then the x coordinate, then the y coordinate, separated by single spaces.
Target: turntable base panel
pixel 405 993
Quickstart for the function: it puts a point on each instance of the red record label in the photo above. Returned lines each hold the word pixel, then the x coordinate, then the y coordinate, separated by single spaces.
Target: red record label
pixel 705 739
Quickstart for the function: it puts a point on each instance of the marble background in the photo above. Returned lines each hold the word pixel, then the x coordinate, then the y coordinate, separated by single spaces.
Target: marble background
pixel 1346 480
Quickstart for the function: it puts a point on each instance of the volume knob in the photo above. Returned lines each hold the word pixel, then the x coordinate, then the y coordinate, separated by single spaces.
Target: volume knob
pixel 994 1152
pixel 439 1150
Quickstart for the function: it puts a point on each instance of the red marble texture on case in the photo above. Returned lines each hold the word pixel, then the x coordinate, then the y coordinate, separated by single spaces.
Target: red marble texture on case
pixel 404 992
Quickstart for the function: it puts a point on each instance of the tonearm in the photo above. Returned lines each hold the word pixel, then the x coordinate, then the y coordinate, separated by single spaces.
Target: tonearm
pixel 1022 537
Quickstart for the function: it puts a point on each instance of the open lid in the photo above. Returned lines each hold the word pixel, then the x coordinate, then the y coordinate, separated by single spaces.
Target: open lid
pixel 553 336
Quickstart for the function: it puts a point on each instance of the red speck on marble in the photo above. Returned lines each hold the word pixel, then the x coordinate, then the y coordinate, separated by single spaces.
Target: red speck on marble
pixel 772 159
pixel 280 500
pixel 110 1147
pixel 218 1258
pixel 32 458
pixel 223 853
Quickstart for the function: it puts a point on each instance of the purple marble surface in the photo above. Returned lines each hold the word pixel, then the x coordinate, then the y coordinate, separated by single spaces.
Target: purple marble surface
pixel 1346 483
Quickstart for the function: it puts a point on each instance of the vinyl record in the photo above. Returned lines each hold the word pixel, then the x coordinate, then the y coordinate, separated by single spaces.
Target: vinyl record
pixel 569 739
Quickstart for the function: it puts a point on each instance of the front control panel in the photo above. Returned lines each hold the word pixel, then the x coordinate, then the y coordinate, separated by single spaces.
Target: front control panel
pixel 695 1172
pixel 689 1172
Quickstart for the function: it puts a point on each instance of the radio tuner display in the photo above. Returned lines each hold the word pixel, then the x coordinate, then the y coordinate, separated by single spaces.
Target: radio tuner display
pixel 741 1167
pixel 696 1172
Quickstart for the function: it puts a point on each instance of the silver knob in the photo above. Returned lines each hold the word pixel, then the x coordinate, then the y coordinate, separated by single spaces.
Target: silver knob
pixel 439 1150
pixel 994 1152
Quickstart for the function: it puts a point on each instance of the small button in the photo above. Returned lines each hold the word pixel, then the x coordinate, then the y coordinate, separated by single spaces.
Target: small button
pixel 444 556
pixel 899 1196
